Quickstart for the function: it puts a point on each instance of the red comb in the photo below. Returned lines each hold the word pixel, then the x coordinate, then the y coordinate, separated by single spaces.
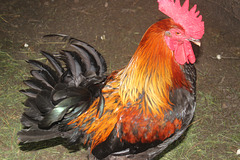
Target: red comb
pixel 189 20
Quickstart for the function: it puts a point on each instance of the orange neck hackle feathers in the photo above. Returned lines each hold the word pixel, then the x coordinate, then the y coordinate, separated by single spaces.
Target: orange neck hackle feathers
pixel 152 72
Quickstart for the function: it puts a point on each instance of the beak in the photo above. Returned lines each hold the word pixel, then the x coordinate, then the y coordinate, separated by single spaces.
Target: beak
pixel 195 41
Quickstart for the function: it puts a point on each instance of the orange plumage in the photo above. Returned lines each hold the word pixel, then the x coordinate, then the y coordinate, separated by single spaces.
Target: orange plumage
pixel 138 110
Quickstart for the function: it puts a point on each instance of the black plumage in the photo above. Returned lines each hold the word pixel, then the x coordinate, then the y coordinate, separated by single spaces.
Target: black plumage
pixel 60 93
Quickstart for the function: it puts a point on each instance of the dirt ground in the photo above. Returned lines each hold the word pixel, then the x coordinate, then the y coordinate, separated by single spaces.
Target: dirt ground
pixel 115 28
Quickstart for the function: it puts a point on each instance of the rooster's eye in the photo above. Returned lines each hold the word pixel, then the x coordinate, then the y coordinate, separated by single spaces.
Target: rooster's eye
pixel 178 33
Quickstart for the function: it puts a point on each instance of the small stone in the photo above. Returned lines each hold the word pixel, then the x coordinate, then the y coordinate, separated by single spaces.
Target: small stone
pixel 219 57
pixel 238 152
pixel 106 4
pixel 224 105
pixel 103 37
pixel 26 45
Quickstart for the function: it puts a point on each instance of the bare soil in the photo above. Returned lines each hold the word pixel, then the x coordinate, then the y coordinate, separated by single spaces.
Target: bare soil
pixel 115 28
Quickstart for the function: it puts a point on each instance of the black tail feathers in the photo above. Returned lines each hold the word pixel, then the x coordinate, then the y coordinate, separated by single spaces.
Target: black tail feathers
pixel 60 93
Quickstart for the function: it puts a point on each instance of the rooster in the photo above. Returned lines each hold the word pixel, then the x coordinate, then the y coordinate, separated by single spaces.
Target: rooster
pixel 133 113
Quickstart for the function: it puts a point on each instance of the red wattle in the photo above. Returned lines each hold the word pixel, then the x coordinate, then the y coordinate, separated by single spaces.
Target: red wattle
pixel 189 51
pixel 179 54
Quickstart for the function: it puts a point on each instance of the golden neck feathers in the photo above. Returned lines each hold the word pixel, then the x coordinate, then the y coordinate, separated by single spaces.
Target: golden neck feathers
pixel 152 72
